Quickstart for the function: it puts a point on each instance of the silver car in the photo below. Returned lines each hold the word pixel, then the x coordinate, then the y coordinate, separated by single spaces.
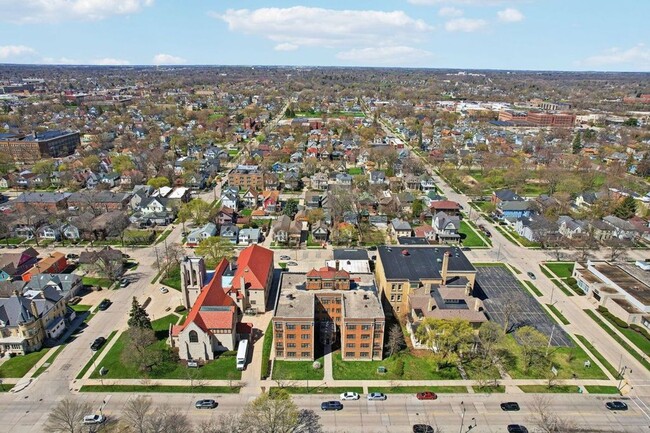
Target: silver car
pixel 377 396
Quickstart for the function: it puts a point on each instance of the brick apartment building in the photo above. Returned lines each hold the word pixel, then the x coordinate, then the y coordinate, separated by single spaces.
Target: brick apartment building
pixel 247 176
pixel 47 201
pixel 36 146
pixel 326 306
pixel 538 118
pixel 100 201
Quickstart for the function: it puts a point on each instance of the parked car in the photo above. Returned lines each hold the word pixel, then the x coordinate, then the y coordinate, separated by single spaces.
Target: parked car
pixel 377 396
pixel 104 305
pixel 94 419
pixel 516 428
pixel 349 396
pixel 531 275
pixel 331 405
pixel 422 428
pixel 292 264
pixel 426 395
pixel 616 405
pixel 98 343
pixel 124 282
pixel 510 406
pixel 285 258
pixel 207 403
pixel 72 256
pixel 164 290
pixel 126 256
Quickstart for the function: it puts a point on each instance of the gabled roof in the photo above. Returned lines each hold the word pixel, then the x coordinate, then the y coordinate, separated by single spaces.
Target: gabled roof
pixel 328 273
pixel 444 204
pixel 254 264
pixel 507 195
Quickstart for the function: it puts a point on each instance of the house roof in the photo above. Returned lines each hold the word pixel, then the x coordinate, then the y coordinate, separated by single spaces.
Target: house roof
pixel 507 195
pixel 350 254
pixel 254 263
pixel 414 263
pixel 328 273
pixel 444 205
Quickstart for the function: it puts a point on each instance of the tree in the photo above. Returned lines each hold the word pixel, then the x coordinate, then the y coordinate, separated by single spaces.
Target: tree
pixel 198 210
pixel 509 308
pixel 617 249
pixel 577 144
pixel 450 339
pixel 67 415
pixel 229 423
pixel 308 422
pixel 122 163
pixel 44 166
pixel 546 418
pixel 315 215
pixel 290 208
pixel 632 121
pixel 271 414
pixel 109 268
pixel 417 208
pixel 158 182
pixel 139 350
pixel 395 342
pixel 136 413
pixel 214 249
pixel 626 208
pixel 91 162
pixel 532 344
pixel 138 316
pixel 166 420
pixel 491 336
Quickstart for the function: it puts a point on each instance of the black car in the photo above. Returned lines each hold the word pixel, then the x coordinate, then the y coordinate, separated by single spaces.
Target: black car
pixel 98 343
pixel 516 428
pixel 331 405
pixel 72 256
pixel 422 428
pixel 616 405
pixel 509 406
pixel 207 403
pixel 104 305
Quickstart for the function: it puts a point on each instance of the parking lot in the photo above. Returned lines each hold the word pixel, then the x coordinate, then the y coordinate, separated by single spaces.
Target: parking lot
pixel 496 286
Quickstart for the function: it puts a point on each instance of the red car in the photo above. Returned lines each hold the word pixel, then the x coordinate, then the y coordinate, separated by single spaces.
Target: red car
pixel 427 395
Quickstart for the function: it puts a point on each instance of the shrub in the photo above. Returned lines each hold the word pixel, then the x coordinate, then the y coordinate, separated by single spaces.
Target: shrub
pixel 180 309
pixel 399 368
pixel 620 323
pixel 228 354
pixel 641 330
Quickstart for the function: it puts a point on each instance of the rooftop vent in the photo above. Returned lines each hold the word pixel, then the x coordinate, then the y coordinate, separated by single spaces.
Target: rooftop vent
pixel 405 252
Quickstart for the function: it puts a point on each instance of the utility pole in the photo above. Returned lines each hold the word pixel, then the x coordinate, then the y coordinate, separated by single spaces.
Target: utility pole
pixel 549 340
pixel 462 418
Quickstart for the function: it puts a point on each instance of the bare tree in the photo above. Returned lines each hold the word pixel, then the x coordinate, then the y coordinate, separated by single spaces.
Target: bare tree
pixel 140 351
pixel 229 423
pixel 271 414
pixel 136 413
pixel 395 341
pixel 66 416
pixel 617 249
pixel 106 267
pixel 166 420
pixel 308 422
pixel 547 420
pixel 509 308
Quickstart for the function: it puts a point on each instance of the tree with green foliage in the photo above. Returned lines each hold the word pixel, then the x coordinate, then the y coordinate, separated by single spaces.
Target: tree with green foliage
pixel 632 121
pixel 158 182
pixel 214 249
pixel 290 208
pixel 138 316
pixel 44 166
pixel 577 144
pixel 271 414
pixel 417 208
pixel 533 345
pixel 450 339
pixel 197 210
pixel 122 163
pixel 626 208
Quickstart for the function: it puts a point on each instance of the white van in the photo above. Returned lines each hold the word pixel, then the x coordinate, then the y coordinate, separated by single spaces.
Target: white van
pixel 242 354
pixel 94 419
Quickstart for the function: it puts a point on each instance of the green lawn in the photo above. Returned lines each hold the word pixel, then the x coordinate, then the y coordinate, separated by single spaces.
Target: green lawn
pixel 557 389
pixel 354 171
pixel 468 236
pixel 163 236
pixel 499 389
pixel 545 271
pixel 415 368
pixel 597 354
pixel 81 308
pixel 246 212
pixel 267 345
pixel 416 389
pixel 161 388
pixel 334 390
pixel 100 282
pixel 636 338
pixel 601 389
pixel 49 360
pixel 223 367
pixel 567 361
pixel 95 355
pixel 618 339
pixel 559 285
pixel 558 314
pixel 560 269
pixel 174 279
pixel 297 370
pixel 19 365
pixel 533 289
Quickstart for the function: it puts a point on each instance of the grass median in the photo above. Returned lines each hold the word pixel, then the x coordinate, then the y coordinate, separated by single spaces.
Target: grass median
pixel 558 314
pixel 597 354
pixel 95 355
pixel 416 389
pixel 162 389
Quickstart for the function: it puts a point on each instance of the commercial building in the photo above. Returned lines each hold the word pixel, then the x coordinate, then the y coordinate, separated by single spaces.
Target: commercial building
pixel 247 176
pixel 325 306
pixel 39 145
pixel 538 118
pixel 622 288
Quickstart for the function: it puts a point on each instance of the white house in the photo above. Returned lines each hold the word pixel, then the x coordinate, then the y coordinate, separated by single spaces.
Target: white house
pixel 201 233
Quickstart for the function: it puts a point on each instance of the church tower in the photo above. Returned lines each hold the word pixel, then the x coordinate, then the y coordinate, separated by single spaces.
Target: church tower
pixel 192 278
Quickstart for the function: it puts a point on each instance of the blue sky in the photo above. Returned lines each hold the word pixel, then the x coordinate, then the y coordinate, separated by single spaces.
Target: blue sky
pixel 495 34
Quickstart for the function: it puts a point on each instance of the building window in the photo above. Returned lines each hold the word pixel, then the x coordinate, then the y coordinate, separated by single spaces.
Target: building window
pixel 365 327
pixel 350 345
pixel 305 336
pixel 392 298
pixel 305 354
pixel 376 354
pixel 291 326
pixel 364 354
pixel 305 327
pixel 278 335
pixel 305 345
pixel 399 298
pixel 291 345
pixel 194 337
pixel 350 336
pixel 351 327
pixel 291 336
pixel 291 354
pixel 279 353
pixel 253 302
pixel 365 345
pixel 365 336
pixel 377 335
pixel 349 354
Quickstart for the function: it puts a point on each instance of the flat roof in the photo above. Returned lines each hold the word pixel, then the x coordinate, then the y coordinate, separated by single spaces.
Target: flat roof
pixel 351 254
pixel 415 263
pixel 621 275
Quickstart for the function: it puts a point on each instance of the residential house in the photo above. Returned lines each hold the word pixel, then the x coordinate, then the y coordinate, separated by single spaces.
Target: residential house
pixel 319 181
pixel 54 263
pixel 586 199
pixel 449 207
pixel 249 236
pixel 100 201
pixel 569 227
pixel 107 255
pixel 622 229
pixel 312 199
pixel 46 201
pixel 292 181
pixel 226 216
pixel 286 231
pixel 376 177
pixel 201 233
pixel 512 210
pixel 399 228
pixel 425 231
pixel 446 227
pixel 427 184
pixel 343 179
pixel 13 265
pixel 505 195
pixel 270 201
pixel 230 232
pixel 319 231
pixel 230 199
pixel 600 230
pixel 67 285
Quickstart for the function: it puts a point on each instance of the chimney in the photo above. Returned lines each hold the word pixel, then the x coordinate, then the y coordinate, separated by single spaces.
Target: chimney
pixel 34 309
pixel 445 266
pixel 336 264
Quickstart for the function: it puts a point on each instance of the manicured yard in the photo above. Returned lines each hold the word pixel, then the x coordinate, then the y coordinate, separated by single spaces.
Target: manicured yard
pixel 597 354
pixel 221 368
pixel 468 236
pixel 266 350
pixel 99 282
pixel 557 314
pixel 560 269
pixel 559 285
pixel 499 389
pixel 163 236
pixel 414 368
pixel 19 365
pixel 545 271
pixel 174 279
pixel 161 388
pixel 567 360
pixel 49 360
pixel 354 171
pixel 557 389
pixel 297 370
pixel 618 339
pixel 533 289
pixel 636 338
pixel 246 212
pixel 333 390
pixel 81 308
pixel 601 389
pixel 416 389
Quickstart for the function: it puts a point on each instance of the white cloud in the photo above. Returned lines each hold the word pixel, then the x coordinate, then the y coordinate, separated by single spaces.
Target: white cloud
pixel 450 12
pixel 13 51
pixel 30 11
pixel 168 59
pixel 510 15
pixel 60 61
pixel 307 26
pixel 465 25
pixel 389 55
pixel 634 58
pixel 108 61
pixel 285 46
pixel 460 2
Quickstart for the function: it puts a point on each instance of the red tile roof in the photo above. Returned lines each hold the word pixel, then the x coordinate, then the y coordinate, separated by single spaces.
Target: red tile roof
pixel 444 204
pixel 212 295
pixel 328 273
pixel 254 263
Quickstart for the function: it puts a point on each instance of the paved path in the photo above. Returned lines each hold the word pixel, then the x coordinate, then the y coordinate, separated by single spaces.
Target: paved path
pixel 328 376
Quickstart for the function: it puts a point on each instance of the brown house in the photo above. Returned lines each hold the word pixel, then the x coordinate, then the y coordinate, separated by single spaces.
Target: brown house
pixel 47 201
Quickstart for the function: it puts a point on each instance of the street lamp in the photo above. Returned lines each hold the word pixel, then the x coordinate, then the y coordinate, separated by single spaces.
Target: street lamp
pixel 462 418
pixel 470 427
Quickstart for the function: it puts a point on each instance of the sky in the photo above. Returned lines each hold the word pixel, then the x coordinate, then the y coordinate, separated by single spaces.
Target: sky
pixel 595 35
